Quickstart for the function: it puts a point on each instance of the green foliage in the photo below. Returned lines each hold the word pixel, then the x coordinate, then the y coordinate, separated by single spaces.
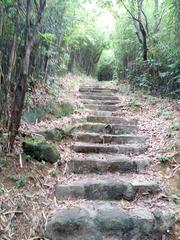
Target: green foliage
pixel 58 109
pixel 20 181
pixel 34 115
pixel 34 140
pixel 175 198
pixel 68 131
pixel 48 37
pixel 134 104
pixel 105 67
pixel 165 159
pixel 175 126
pixel 50 108
pixel 167 114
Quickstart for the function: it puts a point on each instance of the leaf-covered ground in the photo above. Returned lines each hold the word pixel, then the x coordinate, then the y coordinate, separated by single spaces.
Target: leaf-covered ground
pixel 26 186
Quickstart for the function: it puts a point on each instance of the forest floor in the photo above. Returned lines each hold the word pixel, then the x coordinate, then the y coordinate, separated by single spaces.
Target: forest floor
pixel 27 187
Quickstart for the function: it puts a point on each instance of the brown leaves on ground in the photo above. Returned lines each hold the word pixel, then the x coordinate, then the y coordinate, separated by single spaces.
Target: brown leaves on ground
pixel 26 189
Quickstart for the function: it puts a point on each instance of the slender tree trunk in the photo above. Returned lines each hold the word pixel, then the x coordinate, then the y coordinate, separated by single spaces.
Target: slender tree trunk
pixel 30 37
pixel 1 55
pixel 71 61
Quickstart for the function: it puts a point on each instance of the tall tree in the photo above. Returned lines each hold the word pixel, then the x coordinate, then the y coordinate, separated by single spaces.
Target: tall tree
pixel 31 30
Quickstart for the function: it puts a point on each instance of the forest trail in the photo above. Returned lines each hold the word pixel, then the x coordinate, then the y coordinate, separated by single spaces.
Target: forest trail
pixel 114 194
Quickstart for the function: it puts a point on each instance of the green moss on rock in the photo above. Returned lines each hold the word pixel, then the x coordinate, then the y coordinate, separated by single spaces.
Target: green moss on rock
pixel 40 150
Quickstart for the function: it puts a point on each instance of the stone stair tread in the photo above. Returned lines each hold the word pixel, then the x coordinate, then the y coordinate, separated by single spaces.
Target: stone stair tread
pixel 106 102
pixel 97 97
pixel 116 129
pixel 89 221
pixel 107 187
pixel 108 148
pixel 115 120
pixel 103 107
pixel 109 138
pixel 92 89
pixel 100 165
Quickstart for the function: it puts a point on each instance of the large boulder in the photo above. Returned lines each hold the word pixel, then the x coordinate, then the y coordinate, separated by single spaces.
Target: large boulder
pixel 40 149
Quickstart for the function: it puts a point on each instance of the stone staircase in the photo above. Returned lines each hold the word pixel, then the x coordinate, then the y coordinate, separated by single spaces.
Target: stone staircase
pixel 110 162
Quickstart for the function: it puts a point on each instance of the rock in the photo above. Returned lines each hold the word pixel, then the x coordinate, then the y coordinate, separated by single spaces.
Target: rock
pixel 104 189
pixel 93 164
pixel 82 147
pixel 115 129
pixel 73 223
pixel 40 150
pixel 103 221
pixel 53 134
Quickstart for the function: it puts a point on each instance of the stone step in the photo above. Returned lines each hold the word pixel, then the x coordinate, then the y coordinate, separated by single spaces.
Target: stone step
pixel 97 89
pixel 98 97
pixel 114 129
pixel 106 221
pixel 97 107
pixel 104 164
pixel 82 147
pixel 107 138
pixel 106 189
pixel 106 94
pixel 111 120
pixel 106 102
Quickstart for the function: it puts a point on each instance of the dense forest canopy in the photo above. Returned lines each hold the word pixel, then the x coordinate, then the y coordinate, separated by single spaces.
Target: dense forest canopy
pixel 138 40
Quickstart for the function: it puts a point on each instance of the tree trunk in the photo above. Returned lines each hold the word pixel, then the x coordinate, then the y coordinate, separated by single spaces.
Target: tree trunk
pixel 30 37
pixel 71 61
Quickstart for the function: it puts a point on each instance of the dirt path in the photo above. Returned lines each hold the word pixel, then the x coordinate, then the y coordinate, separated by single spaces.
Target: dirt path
pixel 112 188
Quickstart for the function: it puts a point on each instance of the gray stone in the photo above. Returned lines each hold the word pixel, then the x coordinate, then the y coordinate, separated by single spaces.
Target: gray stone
pixel 98 97
pixel 102 107
pixel 107 222
pixel 105 102
pixel 103 190
pixel 110 164
pixel 108 138
pixel 163 220
pixel 105 148
pixel 111 120
pixel 114 129
pixel 53 134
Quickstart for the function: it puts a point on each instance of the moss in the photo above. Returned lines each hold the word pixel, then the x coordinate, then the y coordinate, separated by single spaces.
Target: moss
pixel 40 150
pixel 34 140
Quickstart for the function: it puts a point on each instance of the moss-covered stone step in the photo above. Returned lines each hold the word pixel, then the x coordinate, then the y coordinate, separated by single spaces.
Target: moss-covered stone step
pixel 114 129
pixel 98 97
pixel 82 147
pixel 111 120
pixel 106 102
pixel 107 189
pixel 97 89
pixel 104 164
pixel 110 108
pixel 108 138
pixel 104 221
